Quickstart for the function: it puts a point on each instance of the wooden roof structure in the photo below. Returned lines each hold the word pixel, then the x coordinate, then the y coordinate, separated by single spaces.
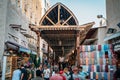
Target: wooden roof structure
pixel 60 29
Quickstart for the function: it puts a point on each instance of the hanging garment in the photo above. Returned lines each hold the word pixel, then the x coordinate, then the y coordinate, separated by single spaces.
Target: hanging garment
pixel 100 54
pixel 94 75
pixel 103 55
pixel 81 60
pixel 99 47
pixel 95 68
pixel 84 56
pixel 106 68
pixel 110 57
pixel 101 61
pixel 101 68
pixel 92 61
pixel 105 47
pixel 98 68
pixel 89 48
pixel 104 61
pixel 106 54
pixel 94 47
pixel 83 48
pixel 91 75
pixel 81 55
pixel 100 75
pixel 108 75
pixel 105 76
pixel 92 68
pixel 84 61
pixel 89 68
pixel 86 48
pixel 97 76
pixel 111 75
pixel 98 57
pixel 92 54
pixel 87 61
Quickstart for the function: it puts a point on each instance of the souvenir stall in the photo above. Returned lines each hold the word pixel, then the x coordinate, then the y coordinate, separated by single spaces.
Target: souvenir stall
pixel 14 56
pixel 98 61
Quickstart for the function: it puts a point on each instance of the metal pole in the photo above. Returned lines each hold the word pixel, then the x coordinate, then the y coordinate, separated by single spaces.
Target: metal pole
pixel 4 67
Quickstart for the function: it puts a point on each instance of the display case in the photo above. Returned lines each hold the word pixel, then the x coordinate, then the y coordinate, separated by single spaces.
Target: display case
pixel 8 67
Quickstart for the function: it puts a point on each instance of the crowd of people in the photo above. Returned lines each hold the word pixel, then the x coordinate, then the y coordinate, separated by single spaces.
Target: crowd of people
pixel 45 72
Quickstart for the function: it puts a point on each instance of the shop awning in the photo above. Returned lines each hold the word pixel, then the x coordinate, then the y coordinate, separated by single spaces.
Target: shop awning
pixel 112 36
pixel 33 52
pixel 11 45
pixel 25 50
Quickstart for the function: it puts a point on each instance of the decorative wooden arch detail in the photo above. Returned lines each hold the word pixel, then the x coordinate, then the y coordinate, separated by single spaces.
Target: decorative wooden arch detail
pixel 57 12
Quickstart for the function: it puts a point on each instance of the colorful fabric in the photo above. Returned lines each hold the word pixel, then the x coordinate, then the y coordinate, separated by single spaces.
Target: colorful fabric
pixel 97 60
pixel 99 47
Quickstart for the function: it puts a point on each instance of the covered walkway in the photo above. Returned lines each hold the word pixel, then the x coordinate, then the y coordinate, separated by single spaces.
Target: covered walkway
pixel 61 30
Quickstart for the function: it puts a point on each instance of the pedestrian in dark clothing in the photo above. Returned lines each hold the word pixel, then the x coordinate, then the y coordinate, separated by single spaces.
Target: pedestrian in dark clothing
pixel 117 73
pixel 39 72
pixel 23 73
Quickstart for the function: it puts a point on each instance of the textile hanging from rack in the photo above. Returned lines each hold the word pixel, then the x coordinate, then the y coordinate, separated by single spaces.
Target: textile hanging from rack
pixel 98 61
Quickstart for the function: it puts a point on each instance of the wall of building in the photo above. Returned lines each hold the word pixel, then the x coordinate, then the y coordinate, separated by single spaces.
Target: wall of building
pixel 15 16
pixel 113 13
pixel 101 35
pixel 3 11
pixel 21 12
pixel 45 6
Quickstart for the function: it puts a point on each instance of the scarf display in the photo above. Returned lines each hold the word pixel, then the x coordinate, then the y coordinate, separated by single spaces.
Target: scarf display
pixel 98 60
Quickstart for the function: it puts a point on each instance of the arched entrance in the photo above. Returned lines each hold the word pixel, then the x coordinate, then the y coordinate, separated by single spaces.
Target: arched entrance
pixel 60 29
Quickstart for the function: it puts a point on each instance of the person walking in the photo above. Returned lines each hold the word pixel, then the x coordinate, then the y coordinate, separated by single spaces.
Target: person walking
pixel 62 75
pixel 67 74
pixel 23 72
pixel 75 74
pixel 56 76
pixel 39 72
pixel 16 74
pixel 46 73
pixel 82 73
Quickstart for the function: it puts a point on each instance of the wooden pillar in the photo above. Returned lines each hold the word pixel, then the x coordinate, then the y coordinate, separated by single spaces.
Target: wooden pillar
pixel 48 50
pixel 77 47
pixel 38 43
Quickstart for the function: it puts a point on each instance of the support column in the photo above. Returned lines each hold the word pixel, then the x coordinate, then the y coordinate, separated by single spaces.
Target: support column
pixel 77 47
pixel 48 50
pixel 38 43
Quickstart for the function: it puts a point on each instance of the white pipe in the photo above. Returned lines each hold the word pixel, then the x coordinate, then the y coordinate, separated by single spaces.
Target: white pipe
pixel 4 67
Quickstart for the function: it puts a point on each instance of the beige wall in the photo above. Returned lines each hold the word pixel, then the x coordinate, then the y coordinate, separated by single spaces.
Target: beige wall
pixel 101 35
pixel 113 13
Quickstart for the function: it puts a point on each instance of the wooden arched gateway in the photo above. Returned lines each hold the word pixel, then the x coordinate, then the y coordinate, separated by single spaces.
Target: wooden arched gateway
pixel 60 29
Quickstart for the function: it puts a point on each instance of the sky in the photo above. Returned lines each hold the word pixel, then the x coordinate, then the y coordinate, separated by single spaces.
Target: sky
pixel 85 10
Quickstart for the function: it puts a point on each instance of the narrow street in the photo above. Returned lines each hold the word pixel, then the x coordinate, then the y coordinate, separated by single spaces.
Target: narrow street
pixel 41 40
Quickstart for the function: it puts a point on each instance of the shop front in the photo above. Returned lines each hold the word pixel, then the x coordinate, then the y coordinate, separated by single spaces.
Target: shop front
pixel 115 41
pixel 14 56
